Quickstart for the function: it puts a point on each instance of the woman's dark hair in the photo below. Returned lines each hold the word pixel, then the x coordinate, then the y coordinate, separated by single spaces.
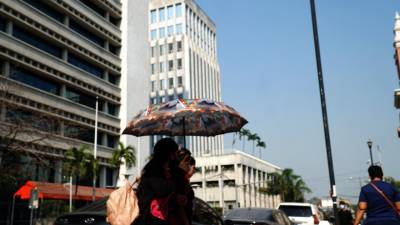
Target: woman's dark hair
pixel 192 161
pixel 181 153
pixel 375 172
pixel 163 150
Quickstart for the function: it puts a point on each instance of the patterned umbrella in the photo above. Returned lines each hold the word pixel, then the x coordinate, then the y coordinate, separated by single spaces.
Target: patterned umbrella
pixel 198 117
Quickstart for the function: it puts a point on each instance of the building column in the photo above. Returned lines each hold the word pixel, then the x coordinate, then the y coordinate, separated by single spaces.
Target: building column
pixel 238 183
pixel 66 21
pixel 6 70
pixel 256 190
pixel 246 187
pixel 64 55
pixel 221 187
pixel 2 112
pixel 252 203
pixel 204 183
pixel 107 45
pixel 9 27
pixel 105 107
pixel 105 75
pixel 63 91
pixel 102 176
pixel 58 172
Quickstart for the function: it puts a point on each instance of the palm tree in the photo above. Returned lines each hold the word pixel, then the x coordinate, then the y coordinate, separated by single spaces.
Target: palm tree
pixel 261 144
pixel 288 185
pixel 243 133
pixel 253 137
pixel 77 163
pixel 122 155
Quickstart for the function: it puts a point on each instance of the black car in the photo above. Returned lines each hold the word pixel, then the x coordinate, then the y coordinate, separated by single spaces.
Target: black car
pixel 95 214
pixel 256 216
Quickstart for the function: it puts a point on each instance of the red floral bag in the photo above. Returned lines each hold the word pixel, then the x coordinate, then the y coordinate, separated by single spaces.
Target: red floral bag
pixel 159 207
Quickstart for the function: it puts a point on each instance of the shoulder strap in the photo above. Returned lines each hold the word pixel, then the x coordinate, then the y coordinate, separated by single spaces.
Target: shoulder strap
pixel 390 203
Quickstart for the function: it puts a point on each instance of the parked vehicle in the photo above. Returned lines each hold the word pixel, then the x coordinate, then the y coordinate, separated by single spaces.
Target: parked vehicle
pixel 95 214
pixel 257 216
pixel 302 213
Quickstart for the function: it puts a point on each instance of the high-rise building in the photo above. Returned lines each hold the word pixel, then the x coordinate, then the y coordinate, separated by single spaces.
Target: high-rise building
pixel 183 61
pixel 56 58
pixel 397 61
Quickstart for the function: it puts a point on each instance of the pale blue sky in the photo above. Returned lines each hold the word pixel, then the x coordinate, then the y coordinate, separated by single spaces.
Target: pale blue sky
pixel 268 74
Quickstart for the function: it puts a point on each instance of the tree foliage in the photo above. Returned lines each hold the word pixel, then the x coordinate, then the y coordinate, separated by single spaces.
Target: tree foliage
pixel 124 154
pixel 288 185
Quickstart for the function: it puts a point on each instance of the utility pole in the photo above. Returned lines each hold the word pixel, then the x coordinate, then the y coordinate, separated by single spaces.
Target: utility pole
pixel 324 110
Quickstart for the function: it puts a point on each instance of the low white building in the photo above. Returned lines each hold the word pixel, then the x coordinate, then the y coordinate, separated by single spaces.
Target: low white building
pixel 233 180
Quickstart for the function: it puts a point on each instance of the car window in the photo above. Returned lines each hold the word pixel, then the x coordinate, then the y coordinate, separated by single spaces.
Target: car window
pixel 278 218
pixel 249 214
pixel 285 218
pixel 294 210
pixel 204 214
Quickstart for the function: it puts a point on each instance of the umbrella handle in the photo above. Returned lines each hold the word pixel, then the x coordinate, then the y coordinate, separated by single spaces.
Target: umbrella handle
pixel 184 133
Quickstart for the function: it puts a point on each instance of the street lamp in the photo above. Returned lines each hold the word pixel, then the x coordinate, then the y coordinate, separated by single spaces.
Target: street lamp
pixel 369 143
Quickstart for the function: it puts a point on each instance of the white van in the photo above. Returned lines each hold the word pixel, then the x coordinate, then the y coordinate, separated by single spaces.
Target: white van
pixel 302 213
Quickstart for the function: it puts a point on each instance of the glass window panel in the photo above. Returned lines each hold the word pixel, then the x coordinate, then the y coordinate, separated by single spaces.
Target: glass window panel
pixel 34 80
pixel 81 98
pixel 2 24
pixel 161 14
pixel 162 67
pixel 113 109
pixel 38 42
pixel 32 119
pixel 161 32
pixel 86 33
pixel 113 79
pixel 170 12
pixel 153 34
pixel 111 141
pixel 79 132
pixel 162 84
pixel 178 10
pixel 170 48
pixel 85 65
pixel 153 85
pixel 162 50
pixel 153 51
pixel 153 68
pixel 179 46
pixel 180 81
pixel 170 31
pixel 179 64
pixel 153 16
pixel 94 7
pixel 170 83
pixel 46 9
pixel 179 28
pixel 170 65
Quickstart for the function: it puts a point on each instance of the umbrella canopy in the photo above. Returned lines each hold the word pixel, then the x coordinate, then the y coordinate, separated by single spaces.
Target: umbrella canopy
pixel 198 117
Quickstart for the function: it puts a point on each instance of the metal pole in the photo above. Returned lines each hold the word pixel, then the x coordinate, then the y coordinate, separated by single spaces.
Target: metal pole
pixel 70 193
pixel 95 150
pixel 12 211
pixel 324 111
pixel 370 155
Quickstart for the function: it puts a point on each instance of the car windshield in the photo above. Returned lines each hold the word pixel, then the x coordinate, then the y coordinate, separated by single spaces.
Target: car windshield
pixel 249 214
pixel 298 211
pixel 97 206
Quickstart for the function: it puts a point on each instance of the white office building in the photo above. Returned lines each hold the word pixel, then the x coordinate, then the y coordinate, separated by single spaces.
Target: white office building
pixel 234 180
pixel 183 61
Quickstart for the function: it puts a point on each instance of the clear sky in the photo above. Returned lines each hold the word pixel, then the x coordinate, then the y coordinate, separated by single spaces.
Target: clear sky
pixel 269 74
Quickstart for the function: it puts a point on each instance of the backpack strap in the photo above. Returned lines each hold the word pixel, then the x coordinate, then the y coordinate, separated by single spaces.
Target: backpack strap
pixel 388 201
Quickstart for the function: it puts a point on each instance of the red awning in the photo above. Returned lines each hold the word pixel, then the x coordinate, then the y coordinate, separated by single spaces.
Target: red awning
pixel 60 191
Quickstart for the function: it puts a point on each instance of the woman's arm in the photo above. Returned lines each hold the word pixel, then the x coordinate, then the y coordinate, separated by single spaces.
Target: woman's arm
pixel 362 207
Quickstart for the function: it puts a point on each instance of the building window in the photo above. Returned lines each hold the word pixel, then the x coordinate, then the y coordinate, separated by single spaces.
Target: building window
pixel 153 51
pixel 180 81
pixel 114 79
pixel 111 141
pixel 32 119
pixel 178 8
pixel 2 24
pixel 162 50
pixel 162 99
pixel 178 28
pixel 161 32
pixel 170 31
pixel 162 67
pixel 171 97
pixel 153 16
pixel 153 101
pixel 170 48
pixel 153 68
pixel 113 49
pixel 162 85
pixel 170 65
pixel 153 85
pixel 179 46
pixel 161 14
pixel 179 64
pixel 34 80
pixel 109 177
pixel 113 109
pixel 46 9
pixel 31 39
pixel 84 65
pixel 79 132
pixel 170 12
pixel 94 7
pixel 170 83
pixel 81 98
pixel 153 34
pixel 86 33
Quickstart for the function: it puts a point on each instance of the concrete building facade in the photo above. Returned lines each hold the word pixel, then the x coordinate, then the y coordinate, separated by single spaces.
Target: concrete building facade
pixel 183 61
pixel 234 180
pixel 56 57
